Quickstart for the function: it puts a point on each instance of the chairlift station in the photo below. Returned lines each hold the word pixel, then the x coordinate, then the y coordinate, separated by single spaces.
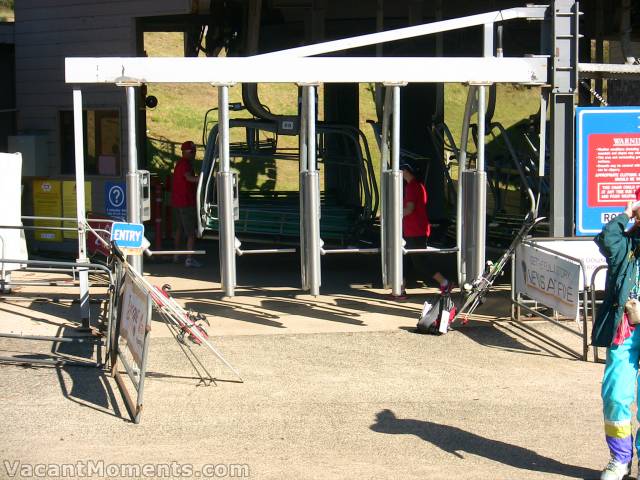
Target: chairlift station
pixel 80 65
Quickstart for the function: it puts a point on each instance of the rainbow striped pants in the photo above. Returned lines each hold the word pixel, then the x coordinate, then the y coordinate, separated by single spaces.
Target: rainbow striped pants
pixel 619 388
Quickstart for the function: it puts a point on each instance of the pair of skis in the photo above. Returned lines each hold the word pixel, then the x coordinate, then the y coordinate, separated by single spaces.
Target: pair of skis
pixel 477 290
pixel 188 323
pixel 182 324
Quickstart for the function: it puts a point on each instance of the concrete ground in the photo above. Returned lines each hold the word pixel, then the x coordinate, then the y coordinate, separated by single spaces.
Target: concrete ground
pixel 337 386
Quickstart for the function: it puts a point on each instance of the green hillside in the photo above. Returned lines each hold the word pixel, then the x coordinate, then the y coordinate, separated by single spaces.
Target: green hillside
pixel 181 110
pixel 7 8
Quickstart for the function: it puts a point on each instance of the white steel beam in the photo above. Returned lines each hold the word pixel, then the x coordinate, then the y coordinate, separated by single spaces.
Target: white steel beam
pixel 78 129
pixel 226 71
pixel 608 70
pixel 534 12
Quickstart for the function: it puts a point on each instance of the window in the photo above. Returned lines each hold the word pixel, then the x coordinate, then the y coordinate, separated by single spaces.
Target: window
pixel 101 142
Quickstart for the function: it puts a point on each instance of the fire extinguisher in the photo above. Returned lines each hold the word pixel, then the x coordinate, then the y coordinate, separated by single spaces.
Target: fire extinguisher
pixel 168 214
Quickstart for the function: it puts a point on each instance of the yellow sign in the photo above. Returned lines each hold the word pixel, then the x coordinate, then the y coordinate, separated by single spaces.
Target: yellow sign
pixel 47 202
pixel 69 207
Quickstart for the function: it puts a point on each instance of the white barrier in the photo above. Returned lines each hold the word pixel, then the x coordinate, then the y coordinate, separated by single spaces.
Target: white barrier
pixel 556 273
pixel 12 242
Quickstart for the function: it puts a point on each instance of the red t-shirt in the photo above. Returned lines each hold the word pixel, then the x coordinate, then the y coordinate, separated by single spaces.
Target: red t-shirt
pixel 183 192
pixel 416 224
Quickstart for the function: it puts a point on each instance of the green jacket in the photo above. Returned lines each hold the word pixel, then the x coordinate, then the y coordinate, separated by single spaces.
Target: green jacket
pixel 620 248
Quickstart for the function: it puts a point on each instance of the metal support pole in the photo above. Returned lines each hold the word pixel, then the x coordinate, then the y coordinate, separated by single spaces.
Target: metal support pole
pixel 395 211
pixel 562 172
pixel 542 155
pixel 564 79
pixel 395 143
pixel 312 196
pixel 83 276
pixel 542 143
pixel 379 92
pixel 488 44
pixel 134 201
pixel 438 115
pixel 302 187
pixel 481 126
pixel 480 215
pixel 384 187
pixel 585 327
pixel 462 166
pixel 310 99
pixel 225 198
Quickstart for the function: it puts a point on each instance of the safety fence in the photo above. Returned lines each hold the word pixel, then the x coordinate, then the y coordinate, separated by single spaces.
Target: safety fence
pixel 122 334
pixel 560 275
pixel 129 335
pixel 597 285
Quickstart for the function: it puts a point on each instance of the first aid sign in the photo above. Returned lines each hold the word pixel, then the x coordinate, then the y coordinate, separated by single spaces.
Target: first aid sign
pixel 129 237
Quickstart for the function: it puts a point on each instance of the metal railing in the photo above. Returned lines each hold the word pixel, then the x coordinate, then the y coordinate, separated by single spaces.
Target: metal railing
pixel 583 304
pixel 594 304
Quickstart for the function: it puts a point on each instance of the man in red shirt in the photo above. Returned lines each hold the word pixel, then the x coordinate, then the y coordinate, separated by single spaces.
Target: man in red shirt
pixel 183 200
pixel 416 227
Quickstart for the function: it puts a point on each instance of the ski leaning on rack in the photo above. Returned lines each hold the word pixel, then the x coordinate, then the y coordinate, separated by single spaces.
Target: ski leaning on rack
pixel 188 323
pixel 182 329
pixel 180 322
pixel 480 287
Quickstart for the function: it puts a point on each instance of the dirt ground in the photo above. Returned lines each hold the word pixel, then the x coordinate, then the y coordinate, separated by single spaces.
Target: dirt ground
pixel 338 386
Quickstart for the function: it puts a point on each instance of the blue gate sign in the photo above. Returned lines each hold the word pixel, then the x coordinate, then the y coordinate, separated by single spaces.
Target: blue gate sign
pixel 607 164
pixel 115 200
pixel 129 237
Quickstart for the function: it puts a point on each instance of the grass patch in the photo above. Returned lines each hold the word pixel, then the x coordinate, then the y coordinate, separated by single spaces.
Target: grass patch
pixel 7 15
pixel 181 109
pixel 7 11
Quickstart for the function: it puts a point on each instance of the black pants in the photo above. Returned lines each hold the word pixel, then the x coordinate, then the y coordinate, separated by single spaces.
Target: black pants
pixel 422 266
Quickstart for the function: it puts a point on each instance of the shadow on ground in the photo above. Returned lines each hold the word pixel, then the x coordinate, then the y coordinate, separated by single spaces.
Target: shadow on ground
pixel 87 386
pixel 457 441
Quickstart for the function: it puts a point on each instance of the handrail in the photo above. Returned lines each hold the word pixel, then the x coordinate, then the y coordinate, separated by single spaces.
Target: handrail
pixel 593 303
pixel 241 252
pixel 430 250
pixel 72 265
pixel 66 219
pixel 348 250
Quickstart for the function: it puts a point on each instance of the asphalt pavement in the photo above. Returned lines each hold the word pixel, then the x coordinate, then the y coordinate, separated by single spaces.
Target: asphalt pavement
pixel 335 387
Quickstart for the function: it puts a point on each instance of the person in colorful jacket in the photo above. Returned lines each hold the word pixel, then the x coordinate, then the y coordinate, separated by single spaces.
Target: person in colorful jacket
pixel 612 329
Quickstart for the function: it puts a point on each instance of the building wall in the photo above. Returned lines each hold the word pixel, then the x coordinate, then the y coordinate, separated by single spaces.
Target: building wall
pixel 47 31
pixel 7 84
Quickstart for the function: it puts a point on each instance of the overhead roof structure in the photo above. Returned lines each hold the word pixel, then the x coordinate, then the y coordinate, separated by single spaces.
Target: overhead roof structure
pixel 299 66
pixel 224 71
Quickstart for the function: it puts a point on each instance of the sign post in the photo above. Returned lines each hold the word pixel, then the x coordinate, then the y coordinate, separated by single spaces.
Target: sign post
pixel 131 343
pixel 608 164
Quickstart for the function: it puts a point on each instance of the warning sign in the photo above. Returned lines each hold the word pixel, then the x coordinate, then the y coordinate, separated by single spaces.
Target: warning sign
pixel 70 206
pixel 47 202
pixel 607 164
pixel 614 168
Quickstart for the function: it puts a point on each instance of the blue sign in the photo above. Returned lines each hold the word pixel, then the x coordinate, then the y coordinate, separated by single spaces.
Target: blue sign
pixel 115 200
pixel 607 164
pixel 127 235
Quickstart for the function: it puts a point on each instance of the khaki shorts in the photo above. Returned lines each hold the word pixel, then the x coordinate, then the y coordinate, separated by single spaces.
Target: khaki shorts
pixel 186 218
